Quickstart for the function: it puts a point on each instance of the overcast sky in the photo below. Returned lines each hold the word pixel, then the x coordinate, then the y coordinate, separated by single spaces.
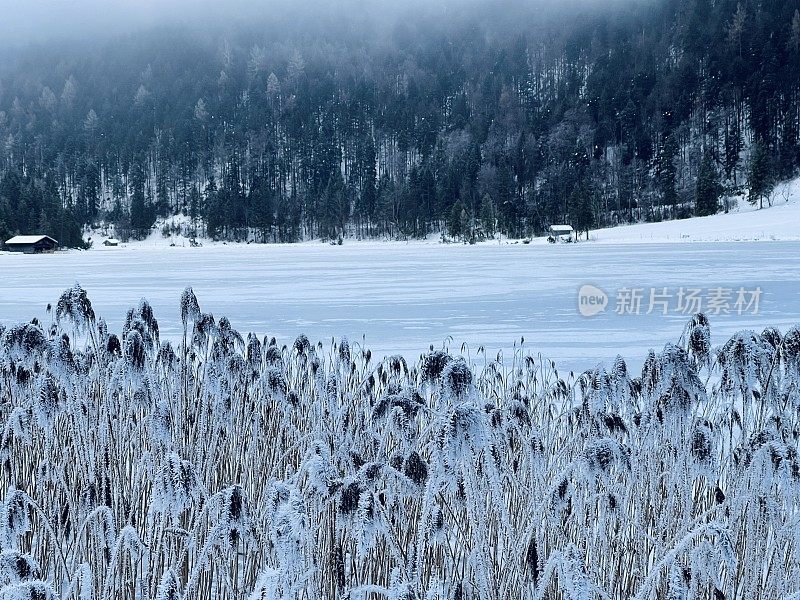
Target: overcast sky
pixel 37 20
pixel 25 21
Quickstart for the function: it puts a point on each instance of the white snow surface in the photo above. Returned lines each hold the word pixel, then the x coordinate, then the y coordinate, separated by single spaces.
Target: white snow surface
pixel 744 222
pixel 405 297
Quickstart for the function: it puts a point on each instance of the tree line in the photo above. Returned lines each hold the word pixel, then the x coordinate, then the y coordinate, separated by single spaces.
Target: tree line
pixel 470 127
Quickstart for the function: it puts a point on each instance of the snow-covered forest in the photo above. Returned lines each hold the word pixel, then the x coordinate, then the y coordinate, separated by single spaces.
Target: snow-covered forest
pixel 339 121
pixel 226 466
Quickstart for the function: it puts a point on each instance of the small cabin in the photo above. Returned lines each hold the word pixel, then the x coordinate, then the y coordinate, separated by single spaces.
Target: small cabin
pixel 562 233
pixel 31 244
pixel 111 242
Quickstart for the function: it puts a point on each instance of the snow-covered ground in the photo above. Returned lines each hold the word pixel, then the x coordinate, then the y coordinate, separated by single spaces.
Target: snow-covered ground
pixel 745 222
pixel 405 297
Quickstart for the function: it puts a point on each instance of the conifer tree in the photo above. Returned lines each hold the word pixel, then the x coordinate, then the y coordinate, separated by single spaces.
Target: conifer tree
pixel 707 190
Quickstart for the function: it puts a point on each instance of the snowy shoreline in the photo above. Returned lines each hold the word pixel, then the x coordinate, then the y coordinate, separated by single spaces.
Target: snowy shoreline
pixel 744 223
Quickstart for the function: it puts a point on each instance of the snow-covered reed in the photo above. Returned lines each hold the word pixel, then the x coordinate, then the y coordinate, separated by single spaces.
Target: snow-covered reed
pixel 232 468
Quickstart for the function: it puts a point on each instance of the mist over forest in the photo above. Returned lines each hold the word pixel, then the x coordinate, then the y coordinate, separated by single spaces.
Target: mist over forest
pixel 270 122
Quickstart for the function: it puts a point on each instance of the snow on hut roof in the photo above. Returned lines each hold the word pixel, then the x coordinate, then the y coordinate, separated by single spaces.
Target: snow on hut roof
pixel 561 228
pixel 29 239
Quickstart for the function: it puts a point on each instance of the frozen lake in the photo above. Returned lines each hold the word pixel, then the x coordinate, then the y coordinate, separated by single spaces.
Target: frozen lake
pixel 404 298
